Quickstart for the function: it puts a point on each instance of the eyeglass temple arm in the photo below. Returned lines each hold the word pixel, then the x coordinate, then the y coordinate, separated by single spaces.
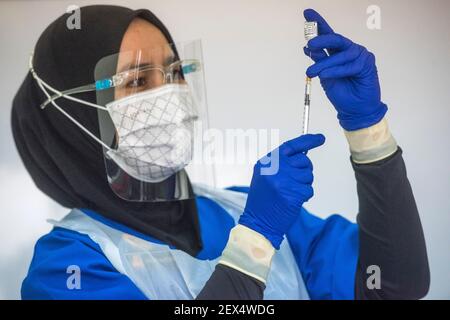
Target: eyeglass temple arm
pixel 107 83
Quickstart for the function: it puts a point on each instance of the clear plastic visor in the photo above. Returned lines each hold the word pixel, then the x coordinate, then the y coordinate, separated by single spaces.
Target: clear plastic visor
pixel 153 98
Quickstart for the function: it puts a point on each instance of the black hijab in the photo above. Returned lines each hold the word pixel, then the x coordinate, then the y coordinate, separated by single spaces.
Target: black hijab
pixel 64 162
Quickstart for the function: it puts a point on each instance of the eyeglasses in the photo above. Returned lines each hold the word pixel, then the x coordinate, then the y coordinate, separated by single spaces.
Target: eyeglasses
pixel 139 78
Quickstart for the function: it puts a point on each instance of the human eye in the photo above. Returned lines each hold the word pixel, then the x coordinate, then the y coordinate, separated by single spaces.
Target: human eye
pixel 136 82
pixel 177 72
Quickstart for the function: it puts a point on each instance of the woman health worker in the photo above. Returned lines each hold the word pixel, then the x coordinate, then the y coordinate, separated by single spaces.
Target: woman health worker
pixel 103 123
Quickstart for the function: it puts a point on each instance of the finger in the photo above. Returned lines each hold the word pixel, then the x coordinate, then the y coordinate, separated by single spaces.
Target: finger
pixel 302 176
pixel 312 15
pixel 337 59
pixel 300 161
pixel 330 41
pixel 351 69
pixel 307 192
pixel 302 144
pixel 315 55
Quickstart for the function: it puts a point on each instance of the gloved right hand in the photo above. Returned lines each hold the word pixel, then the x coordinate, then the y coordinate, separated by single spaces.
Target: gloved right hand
pixel 349 76
pixel 274 201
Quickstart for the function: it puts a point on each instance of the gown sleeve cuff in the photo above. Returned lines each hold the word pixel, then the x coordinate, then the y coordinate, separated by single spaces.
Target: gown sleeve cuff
pixel 371 144
pixel 248 252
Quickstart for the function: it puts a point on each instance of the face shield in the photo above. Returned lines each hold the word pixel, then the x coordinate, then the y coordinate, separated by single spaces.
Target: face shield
pixel 154 105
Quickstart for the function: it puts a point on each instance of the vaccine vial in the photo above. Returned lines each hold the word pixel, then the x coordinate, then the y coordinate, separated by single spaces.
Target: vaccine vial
pixel 311 30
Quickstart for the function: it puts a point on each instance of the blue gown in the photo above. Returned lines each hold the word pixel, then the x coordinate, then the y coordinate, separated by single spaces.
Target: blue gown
pixel 326 252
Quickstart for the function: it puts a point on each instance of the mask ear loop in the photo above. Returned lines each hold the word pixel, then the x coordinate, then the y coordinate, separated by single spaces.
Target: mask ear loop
pixel 44 85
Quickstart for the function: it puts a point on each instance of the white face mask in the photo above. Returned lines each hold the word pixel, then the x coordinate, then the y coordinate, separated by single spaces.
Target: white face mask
pixel 155 132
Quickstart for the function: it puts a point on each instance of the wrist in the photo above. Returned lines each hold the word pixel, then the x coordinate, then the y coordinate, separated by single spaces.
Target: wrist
pixel 371 144
pixel 352 122
pixel 272 231
pixel 248 252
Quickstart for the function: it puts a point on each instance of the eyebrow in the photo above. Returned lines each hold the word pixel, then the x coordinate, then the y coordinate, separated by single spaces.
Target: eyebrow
pixel 167 60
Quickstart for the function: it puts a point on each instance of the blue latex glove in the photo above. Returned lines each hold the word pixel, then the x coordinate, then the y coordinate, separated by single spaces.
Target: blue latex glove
pixel 348 76
pixel 274 201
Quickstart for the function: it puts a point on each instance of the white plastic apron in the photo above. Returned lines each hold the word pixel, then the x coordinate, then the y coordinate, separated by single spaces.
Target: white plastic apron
pixel 164 273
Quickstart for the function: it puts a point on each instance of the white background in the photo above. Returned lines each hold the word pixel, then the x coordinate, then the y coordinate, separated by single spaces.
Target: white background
pixel 255 74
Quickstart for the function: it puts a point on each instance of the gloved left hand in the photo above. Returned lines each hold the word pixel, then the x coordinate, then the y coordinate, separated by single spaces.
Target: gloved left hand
pixel 348 76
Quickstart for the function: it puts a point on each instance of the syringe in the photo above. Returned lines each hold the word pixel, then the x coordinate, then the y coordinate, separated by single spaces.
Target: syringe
pixel 311 31
pixel 307 105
